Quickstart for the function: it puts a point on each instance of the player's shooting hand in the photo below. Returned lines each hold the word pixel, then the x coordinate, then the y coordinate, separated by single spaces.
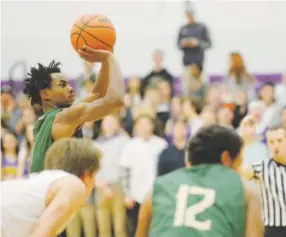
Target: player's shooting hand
pixel 94 55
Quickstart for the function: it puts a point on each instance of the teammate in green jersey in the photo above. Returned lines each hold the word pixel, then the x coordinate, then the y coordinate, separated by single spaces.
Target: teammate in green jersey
pixel 208 198
pixel 48 87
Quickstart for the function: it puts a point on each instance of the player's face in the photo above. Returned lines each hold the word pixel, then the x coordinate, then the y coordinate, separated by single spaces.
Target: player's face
pixel 61 93
pixel 276 141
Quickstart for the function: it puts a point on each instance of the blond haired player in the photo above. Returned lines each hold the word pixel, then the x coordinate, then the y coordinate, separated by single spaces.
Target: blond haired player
pixel 42 204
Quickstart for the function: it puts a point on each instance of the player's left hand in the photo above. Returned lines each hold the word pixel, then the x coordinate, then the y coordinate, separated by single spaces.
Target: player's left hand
pixel 94 55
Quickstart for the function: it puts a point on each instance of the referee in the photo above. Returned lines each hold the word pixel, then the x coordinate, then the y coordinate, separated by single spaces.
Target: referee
pixel 271 176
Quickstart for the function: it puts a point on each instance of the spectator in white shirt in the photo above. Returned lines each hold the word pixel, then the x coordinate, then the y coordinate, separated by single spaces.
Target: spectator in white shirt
pixel 254 150
pixel 139 162
pixel 272 108
pixel 109 196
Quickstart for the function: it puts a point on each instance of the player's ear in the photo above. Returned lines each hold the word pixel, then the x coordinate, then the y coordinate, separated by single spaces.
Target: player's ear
pixel 226 159
pixel 44 94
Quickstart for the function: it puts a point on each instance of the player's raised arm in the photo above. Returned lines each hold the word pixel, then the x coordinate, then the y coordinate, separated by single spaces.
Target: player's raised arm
pixel 93 107
pixel 254 222
pixel 144 218
pixel 62 201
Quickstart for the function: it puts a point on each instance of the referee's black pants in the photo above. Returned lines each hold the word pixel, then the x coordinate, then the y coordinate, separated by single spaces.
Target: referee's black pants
pixel 273 231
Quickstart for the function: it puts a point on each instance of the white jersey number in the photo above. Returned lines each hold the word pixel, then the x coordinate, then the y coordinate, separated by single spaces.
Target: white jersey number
pixel 186 216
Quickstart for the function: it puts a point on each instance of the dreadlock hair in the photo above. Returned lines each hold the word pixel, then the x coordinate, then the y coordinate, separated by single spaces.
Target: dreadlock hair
pixel 38 79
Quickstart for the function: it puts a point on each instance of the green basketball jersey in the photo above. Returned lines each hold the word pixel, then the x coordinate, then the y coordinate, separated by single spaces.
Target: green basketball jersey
pixel 43 139
pixel 202 201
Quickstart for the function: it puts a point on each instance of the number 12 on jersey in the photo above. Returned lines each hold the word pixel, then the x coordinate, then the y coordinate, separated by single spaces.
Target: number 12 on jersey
pixel 186 216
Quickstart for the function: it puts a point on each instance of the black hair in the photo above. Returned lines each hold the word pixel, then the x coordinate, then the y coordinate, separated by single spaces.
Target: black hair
pixel 207 146
pixel 39 78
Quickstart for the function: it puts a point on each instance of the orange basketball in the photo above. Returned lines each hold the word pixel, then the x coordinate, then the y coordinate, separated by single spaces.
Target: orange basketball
pixel 95 31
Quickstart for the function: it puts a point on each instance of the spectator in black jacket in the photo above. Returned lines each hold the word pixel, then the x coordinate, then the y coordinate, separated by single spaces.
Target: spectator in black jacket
pixel 172 157
pixel 158 72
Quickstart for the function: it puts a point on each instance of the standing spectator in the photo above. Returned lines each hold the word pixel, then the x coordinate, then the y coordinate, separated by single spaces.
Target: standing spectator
pixel 139 163
pixel 193 40
pixel 158 72
pixel 254 150
pixel 109 196
pixel 173 157
pixel 238 77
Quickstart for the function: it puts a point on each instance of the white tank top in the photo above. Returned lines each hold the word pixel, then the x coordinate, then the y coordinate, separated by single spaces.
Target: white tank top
pixel 23 202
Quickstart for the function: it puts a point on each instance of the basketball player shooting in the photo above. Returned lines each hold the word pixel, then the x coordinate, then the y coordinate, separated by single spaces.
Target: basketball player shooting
pixel 42 204
pixel 207 198
pixel 63 117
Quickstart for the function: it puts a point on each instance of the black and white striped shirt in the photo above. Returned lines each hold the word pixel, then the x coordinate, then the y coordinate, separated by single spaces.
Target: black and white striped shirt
pixel 272 179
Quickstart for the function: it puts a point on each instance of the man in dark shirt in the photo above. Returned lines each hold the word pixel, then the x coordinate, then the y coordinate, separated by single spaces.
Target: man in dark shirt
pixel 193 40
pixel 158 72
pixel 173 157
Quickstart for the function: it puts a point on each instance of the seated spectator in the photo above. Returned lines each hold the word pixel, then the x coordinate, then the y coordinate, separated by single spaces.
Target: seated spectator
pixel 110 207
pixel 133 90
pixel 240 109
pixel 207 118
pixel 10 113
pixel 194 87
pixel 272 108
pixel 225 116
pixel 280 91
pixel 254 150
pixel 173 157
pixel 164 107
pixel 26 150
pixel 176 113
pixel 283 118
pixel 213 96
pixel 9 156
pixel 238 77
pixel 28 116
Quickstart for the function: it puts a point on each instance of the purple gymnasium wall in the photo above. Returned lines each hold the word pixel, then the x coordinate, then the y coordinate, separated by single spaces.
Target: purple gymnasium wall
pixel 260 78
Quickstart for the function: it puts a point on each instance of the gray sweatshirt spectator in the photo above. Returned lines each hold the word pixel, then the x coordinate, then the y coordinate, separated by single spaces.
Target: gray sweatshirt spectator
pixel 193 40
